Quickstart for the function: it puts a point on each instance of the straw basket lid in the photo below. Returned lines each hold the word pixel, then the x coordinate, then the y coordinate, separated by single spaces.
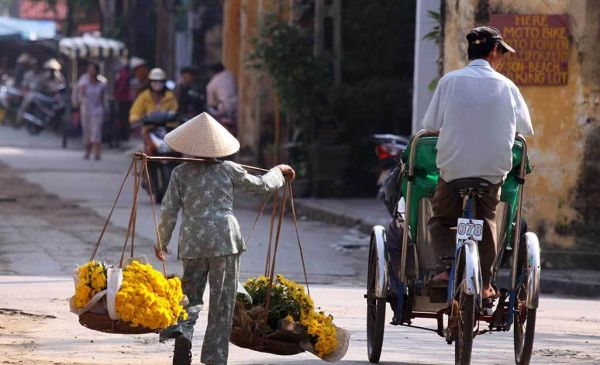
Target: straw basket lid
pixel 202 136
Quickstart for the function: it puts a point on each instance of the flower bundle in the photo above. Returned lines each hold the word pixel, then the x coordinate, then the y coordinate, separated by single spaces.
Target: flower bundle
pixel 92 280
pixel 290 302
pixel 148 299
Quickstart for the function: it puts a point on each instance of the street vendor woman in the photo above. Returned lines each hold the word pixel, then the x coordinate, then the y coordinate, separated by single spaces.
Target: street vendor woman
pixel 210 241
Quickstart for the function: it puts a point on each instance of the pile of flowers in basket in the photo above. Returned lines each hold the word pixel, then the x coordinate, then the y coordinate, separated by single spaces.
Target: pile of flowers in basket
pixel 148 299
pixel 137 295
pixel 91 280
pixel 292 319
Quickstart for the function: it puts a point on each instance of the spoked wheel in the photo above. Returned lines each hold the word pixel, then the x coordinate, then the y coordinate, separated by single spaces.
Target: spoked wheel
pixel 464 311
pixel 375 312
pixel 524 320
pixel 464 330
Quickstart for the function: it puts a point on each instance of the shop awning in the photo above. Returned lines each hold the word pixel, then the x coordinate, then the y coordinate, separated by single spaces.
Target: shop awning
pixel 90 46
pixel 28 30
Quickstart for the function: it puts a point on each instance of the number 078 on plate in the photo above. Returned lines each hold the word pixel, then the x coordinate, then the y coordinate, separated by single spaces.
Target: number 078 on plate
pixel 469 229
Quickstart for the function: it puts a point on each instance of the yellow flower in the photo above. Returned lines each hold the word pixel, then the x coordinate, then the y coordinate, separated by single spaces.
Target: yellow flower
pixel 319 326
pixel 148 299
pixel 92 279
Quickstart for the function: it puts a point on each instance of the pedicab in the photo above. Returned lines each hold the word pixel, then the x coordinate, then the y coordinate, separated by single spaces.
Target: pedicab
pixel 457 307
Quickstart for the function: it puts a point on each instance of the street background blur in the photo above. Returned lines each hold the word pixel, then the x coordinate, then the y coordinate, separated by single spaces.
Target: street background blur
pixel 331 87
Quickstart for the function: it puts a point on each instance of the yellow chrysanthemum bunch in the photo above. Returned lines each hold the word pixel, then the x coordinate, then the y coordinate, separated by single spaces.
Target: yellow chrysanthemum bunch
pixel 148 299
pixel 92 279
pixel 317 324
pixel 290 301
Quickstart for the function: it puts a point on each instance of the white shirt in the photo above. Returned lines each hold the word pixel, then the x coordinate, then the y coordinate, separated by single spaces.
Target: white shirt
pixel 221 93
pixel 477 112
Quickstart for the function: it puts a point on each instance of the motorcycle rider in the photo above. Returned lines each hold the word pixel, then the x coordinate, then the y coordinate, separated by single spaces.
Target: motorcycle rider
pixel 477 112
pixel 50 82
pixel 154 99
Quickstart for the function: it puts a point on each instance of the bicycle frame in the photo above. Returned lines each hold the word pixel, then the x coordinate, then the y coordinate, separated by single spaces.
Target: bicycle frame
pixel 472 284
pixel 532 242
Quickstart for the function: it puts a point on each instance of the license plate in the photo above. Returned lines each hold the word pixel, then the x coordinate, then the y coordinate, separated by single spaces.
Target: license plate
pixel 469 229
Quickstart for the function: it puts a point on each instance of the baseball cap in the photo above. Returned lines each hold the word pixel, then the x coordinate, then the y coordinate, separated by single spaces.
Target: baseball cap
pixel 480 35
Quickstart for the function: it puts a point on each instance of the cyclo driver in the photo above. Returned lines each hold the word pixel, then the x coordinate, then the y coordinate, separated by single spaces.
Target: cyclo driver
pixel 477 112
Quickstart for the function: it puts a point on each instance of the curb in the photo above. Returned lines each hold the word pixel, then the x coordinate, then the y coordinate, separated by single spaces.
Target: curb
pixel 549 285
pixel 327 216
pixel 569 287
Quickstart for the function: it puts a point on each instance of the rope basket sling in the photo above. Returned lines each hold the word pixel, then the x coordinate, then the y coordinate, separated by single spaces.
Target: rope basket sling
pixel 250 328
pixel 96 318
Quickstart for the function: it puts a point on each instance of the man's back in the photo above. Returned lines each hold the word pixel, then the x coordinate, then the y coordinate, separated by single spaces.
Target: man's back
pixel 477 111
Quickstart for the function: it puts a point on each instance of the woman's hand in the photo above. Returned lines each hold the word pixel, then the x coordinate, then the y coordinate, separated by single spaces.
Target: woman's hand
pixel 160 254
pixel 288 172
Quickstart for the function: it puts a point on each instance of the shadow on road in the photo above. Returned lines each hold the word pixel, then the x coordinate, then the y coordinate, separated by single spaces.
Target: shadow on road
pixel 320 362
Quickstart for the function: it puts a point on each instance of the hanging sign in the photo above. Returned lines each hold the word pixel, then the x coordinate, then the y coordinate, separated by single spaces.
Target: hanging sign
pixel 542 48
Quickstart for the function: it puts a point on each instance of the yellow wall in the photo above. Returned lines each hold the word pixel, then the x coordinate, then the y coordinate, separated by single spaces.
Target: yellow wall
pixel 562 115
pixel 240 25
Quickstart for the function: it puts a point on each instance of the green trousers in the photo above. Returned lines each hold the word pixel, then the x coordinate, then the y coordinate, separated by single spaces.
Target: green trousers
pixel 222 274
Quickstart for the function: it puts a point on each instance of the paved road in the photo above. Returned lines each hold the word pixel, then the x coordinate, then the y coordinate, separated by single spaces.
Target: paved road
pixel 567 333
pixel 46 241
pixel 93 185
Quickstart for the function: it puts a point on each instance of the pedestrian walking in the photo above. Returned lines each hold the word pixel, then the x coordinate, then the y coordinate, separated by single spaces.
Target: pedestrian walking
pixel 210 241
pixel 92 91
pixel 123 94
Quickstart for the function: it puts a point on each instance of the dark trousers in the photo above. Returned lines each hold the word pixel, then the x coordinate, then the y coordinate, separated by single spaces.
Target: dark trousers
pixel 123 120
pixel 447 208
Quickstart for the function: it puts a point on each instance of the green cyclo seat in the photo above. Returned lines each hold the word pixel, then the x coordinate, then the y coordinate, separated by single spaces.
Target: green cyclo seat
pixel 426 175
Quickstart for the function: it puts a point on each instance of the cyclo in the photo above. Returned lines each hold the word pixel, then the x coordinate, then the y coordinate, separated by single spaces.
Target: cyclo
pixel 457 308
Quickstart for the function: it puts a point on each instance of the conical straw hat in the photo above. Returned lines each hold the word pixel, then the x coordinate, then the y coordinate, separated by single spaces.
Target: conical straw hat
pixel 202 136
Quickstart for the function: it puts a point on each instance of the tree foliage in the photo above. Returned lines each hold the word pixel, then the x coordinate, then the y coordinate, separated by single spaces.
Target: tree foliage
pixel 302 82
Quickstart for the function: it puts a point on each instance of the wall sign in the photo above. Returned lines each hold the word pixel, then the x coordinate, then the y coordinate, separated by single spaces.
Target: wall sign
pixel 542 48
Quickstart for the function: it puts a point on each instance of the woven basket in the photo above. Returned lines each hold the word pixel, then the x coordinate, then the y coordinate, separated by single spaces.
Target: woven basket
pixel 102 322
pixel 248 331
pixel 276 342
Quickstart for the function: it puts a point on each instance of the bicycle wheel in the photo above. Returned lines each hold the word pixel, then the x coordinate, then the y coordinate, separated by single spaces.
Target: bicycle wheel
pixel 464 312
pixel 524 318
pixel 375 311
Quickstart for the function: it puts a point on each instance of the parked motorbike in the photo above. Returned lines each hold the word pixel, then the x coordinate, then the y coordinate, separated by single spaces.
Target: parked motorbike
pixel 44 111
pixel 156 126
pixel 388 148
pixel 10 100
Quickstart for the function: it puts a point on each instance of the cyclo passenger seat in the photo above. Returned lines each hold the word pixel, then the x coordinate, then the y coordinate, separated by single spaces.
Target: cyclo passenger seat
pixel 471 186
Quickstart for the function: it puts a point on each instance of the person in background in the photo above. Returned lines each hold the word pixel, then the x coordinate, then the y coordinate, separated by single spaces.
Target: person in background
pixel 123 96
pixel 154 99
pixel 49 82
pixel 52 79
pixel 210 240
pixel 221 96
pixel 23 66
pixel 189 98
pixel 91 97
pixel 30 75
pixel 140 72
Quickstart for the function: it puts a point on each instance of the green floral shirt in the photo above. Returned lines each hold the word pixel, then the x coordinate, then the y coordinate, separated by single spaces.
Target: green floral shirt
pixel 205 193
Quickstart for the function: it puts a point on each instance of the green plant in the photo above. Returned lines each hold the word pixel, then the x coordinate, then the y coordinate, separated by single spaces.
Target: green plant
pixel 302 81
pixel 434 35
